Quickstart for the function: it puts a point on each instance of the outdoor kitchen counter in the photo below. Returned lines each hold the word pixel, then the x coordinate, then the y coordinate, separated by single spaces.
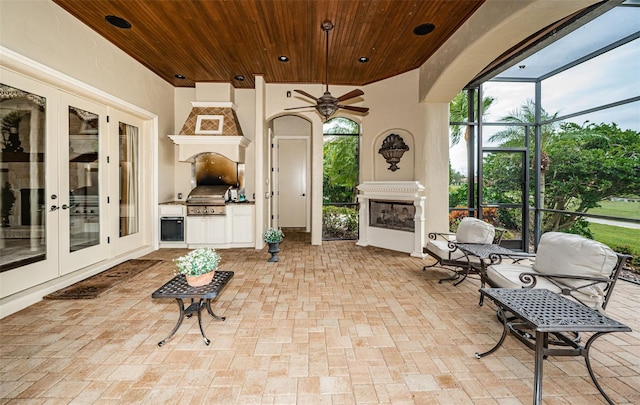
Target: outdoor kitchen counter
pixel 182 202
pixel 233 229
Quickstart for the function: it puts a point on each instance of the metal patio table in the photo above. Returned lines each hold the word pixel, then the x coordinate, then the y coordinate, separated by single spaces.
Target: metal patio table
pixel 178 288
pixel 542 312
pixel 485 252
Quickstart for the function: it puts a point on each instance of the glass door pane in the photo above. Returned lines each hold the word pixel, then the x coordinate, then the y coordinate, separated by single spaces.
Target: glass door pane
pixel 22 178
pixel 84 179
pixel 129 187
pixel 83 184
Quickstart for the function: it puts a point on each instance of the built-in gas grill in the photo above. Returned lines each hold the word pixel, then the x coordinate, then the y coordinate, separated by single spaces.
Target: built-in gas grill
pixel 207 200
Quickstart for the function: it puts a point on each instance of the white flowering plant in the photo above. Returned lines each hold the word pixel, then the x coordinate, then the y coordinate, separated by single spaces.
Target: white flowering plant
pixel 197 262
pixel 273 235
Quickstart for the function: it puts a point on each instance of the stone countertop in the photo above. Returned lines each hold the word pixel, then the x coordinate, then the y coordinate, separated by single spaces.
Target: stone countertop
pixel 182 202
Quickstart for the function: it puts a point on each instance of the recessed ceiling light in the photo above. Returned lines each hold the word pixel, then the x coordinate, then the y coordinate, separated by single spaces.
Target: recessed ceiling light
pixel 118 21
pixel 363 59
pixel 239 78
pixel 424 29
pixel 179 76
pixel 283 58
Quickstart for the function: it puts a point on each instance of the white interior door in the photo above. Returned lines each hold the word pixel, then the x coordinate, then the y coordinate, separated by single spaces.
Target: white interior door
pixel 292 187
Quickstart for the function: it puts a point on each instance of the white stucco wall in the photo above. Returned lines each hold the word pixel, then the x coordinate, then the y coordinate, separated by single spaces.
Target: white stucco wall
pixel 44 32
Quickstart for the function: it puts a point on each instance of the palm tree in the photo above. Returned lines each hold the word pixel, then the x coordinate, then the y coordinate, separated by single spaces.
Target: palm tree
pixel 459 112
pixel 515 135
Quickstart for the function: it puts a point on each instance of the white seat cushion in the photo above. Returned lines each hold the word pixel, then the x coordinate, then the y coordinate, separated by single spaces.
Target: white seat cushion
pixel 563 253
pixel 441 249
pixel 507 275
pixel 566 253
pixel 472 230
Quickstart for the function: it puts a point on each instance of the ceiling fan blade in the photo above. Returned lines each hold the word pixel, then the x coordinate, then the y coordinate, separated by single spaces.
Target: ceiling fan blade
pixel 304 93
pixel 354 108
pixel 351 94
pixel 297 108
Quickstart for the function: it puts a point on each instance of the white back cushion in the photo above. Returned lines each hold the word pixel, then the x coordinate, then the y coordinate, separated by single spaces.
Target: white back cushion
pixel 472 230
pixel 565 253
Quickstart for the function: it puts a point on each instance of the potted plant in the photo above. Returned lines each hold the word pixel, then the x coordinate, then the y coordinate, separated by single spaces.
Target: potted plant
pixel 198 266
pixel 10 131
pixel 273 236
pixel 7 199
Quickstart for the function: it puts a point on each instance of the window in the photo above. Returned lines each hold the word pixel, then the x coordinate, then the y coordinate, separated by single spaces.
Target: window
pixel 341 166
pixel 129 188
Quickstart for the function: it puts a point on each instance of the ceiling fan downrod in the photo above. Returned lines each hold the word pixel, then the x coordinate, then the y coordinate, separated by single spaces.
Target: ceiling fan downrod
pixel 326 27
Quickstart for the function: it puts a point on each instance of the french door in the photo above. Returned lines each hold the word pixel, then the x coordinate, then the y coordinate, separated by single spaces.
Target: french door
pixel 82 198
pixel 29 177
pixel 126 221
pixel 53 183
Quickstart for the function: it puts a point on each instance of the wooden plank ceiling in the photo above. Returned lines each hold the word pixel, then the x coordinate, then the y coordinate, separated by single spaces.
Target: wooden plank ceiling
pixel 215 40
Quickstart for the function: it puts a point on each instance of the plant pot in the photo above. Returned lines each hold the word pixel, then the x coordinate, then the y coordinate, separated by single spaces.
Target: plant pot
pixel 274 248
pixel 198 281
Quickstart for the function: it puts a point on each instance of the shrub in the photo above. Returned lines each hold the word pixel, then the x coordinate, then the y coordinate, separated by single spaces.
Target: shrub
pixel 489 215
pixel 339 222
pixel 627 250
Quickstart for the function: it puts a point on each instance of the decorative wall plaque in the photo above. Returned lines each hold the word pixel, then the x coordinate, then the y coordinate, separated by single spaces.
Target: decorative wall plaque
pixel 209 124
pixel 393 147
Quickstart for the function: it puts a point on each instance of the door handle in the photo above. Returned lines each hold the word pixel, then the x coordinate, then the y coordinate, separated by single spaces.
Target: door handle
pixel 303 195
pixel 53 208
pixel 65 207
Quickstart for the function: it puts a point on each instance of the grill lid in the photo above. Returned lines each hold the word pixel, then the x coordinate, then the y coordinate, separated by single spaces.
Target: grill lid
pixel 207 195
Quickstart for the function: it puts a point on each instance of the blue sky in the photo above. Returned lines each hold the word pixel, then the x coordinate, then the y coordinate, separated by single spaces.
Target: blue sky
pixel 609 78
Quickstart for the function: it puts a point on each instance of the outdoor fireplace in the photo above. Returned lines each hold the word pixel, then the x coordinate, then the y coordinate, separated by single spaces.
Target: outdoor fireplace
pixel 392 216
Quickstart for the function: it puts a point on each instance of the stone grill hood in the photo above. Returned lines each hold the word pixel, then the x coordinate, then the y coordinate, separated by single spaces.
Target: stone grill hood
pixel 212 127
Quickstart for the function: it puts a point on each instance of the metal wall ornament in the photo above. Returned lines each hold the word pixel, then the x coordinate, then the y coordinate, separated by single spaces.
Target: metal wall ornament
pixel 393 147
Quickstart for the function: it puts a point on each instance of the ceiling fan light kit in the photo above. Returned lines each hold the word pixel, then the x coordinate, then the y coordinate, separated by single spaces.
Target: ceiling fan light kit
pixel 327 105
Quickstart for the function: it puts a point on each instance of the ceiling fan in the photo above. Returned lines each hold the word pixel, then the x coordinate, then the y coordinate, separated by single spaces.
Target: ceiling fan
pixel 327 105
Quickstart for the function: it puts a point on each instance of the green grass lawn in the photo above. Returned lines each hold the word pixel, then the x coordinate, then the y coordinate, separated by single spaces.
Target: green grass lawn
pixel 614 236
pixel 618 209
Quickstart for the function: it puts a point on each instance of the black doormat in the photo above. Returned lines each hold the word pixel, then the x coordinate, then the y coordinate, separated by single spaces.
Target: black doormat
pixel 97 284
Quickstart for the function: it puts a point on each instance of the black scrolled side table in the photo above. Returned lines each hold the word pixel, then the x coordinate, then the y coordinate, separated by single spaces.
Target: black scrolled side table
pixel 178 288
pixel 546 312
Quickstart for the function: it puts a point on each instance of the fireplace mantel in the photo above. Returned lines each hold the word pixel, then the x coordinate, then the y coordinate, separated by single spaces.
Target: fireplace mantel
pixel 392 237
